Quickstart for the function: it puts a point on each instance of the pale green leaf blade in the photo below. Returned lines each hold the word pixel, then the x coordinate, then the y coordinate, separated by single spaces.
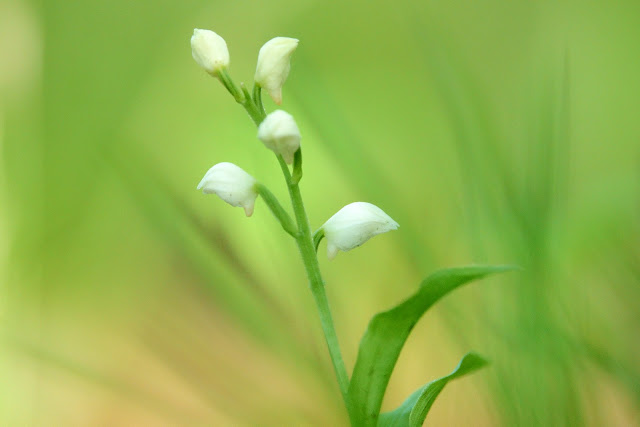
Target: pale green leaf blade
pixel 387 332
pixel 415 408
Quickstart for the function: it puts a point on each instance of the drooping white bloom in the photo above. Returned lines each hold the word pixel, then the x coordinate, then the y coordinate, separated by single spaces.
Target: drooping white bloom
pixel 209 50
pixel 280 134
pixel 231 184
pixel 353 225
pixel 273 65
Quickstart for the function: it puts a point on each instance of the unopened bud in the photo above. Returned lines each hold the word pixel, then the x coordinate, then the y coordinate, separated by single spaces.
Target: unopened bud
pixel 273 65
pixel 280 134
pixel 209 50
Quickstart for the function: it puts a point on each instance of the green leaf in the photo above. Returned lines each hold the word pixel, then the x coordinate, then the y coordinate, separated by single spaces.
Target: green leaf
pixel 414 410
pixel 387 333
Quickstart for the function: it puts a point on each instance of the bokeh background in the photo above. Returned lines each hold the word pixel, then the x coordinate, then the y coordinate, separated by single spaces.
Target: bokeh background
pixel 492 131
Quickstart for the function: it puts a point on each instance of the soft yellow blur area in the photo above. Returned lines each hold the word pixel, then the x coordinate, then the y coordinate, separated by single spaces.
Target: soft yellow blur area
pixel 494 132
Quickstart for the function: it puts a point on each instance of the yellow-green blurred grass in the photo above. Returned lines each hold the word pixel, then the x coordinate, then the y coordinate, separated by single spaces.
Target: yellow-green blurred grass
pixel 492 132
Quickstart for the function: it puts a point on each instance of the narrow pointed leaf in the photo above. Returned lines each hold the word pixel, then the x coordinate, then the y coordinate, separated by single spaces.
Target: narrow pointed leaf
pixel 387 333
pixel 414 410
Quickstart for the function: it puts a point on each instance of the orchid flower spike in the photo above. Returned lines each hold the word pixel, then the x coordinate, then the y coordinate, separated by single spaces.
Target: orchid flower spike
pixel 273 65
pixel 353 225
pixel 231 184
pixel 209 50
pixel 279 133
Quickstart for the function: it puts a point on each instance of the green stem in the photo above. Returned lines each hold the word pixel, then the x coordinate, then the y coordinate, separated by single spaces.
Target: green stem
pixel 306 247
pixel 242 96
pixel 278 211
pixel 310 260
pixel 227 82
pixel 256 115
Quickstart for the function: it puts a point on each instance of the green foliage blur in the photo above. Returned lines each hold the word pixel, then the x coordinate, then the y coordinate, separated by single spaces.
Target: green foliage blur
pixel 494 132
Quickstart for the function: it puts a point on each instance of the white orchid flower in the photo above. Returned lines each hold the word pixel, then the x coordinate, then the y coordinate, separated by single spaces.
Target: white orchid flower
pixel 231 184
pixel 353 225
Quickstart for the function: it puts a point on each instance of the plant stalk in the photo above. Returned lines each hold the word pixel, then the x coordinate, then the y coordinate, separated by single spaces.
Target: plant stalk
pixel 306 247
pixel 316 283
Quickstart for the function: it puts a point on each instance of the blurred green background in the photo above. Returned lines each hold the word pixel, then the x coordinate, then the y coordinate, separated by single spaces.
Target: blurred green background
pixel 492 131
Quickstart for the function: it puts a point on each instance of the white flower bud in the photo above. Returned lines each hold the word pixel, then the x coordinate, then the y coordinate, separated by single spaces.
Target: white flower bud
pixel 273 65
pixel 231 184
pixel 209 50
pixel 353 225
pixel 280 134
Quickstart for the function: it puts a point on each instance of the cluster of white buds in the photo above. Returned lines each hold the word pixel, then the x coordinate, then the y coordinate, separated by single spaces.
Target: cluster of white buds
pixel 274 59
pixel 352 225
